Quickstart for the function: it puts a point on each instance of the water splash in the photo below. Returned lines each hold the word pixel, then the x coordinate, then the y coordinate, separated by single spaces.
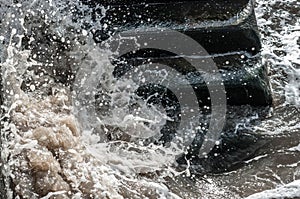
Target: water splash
pixel 121 168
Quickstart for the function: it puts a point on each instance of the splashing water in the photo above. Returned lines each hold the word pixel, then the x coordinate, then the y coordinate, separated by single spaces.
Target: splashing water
pixel 46 152
pixel 277 163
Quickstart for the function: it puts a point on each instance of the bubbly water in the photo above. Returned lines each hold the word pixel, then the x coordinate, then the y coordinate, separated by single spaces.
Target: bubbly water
pixel 110 161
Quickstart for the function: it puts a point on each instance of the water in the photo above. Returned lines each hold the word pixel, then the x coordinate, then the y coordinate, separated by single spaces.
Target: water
pixel 109 163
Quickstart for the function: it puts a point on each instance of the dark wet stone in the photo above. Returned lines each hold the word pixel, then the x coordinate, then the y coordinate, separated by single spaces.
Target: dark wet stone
pixel 196 19
pixel 245 80
pixel 231 154
pixel 165 10
pixel 234 46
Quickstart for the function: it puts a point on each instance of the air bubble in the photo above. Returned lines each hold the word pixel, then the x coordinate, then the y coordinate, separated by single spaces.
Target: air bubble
pixel 32 87
pixel 84 33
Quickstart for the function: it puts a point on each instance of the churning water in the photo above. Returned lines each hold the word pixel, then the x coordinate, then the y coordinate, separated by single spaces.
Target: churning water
pixel 49 151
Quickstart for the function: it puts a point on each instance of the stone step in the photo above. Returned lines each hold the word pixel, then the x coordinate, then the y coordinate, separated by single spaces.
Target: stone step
pixel 166 10
pixel 245 79
pixel 227 30
pixel 216 33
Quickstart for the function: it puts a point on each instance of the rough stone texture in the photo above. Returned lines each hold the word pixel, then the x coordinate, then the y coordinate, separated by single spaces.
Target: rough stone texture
pixel 178 10
pixel 245 79
pixel 232 41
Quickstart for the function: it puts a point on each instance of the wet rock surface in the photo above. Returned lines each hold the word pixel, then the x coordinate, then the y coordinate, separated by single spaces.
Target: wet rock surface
pixel 234 45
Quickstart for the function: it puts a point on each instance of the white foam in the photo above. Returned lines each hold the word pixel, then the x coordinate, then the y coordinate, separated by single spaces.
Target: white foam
pixel 291 190
pixel 292 89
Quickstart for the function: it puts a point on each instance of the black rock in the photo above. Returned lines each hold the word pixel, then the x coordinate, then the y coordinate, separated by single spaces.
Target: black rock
pixel 227 30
